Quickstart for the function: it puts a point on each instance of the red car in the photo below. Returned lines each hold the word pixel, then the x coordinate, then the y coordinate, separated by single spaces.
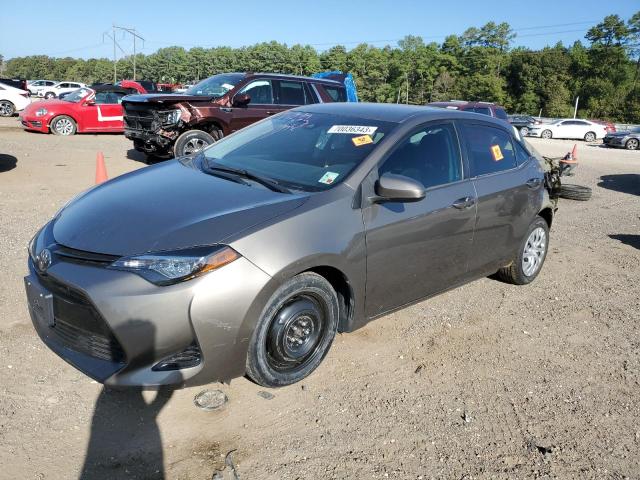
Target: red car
pixel 95 109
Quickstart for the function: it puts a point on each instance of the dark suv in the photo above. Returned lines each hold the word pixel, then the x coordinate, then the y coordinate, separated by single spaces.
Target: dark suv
pixel 485 108
pixel 166 125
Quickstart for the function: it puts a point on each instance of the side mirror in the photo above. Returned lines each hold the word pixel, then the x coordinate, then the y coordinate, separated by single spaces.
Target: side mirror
pixel 397 188
pixel 241 100
pixel 90 102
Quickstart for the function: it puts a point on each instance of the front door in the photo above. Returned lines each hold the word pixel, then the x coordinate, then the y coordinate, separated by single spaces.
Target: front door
pixel 416 249
pixel 105 114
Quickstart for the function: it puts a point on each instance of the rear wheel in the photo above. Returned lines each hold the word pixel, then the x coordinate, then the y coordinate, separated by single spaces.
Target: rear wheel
pixel 546 134
pixel 531 255
pixel 7 109
pixel 524 131
pixel 632 144
pixel 590 137
pixel 49 95
pixel 295 331
pixel 191 142
pixel 63 125
pixel 575 192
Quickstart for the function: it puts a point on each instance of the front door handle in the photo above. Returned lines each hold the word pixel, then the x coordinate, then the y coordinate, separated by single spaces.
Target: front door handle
pixel 534 182
pixel 462 203
pixel 270 113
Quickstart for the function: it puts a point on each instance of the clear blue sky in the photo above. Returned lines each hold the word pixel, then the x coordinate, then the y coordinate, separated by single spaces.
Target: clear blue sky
pixel 73 28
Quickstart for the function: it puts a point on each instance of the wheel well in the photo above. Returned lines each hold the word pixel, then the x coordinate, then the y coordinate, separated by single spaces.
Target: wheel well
pixel 340 284
pixel 547 214
pixel 211 126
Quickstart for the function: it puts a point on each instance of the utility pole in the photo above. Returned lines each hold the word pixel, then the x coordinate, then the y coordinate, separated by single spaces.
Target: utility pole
pixel 112 36
pixel 575 110
pixel 134 34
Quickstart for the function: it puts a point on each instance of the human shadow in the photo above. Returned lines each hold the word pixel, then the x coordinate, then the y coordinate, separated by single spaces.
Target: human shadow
pixel 624 183
pixel 125 437
pixel 628 239
pixel 7 162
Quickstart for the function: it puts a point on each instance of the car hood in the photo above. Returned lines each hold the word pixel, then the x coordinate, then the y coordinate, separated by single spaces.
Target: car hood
pixel 165 207
pixel 35 106
pixel 166 98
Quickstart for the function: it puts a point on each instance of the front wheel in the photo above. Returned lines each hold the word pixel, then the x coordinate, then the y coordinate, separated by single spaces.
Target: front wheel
pixel 191 142
pixel 49 95
pixel 632 144
pixel 590 137
pixel 7 109
pixel 63 125
pixel 531 255
pixel 546 134
pixel 524 131
pixel 295 331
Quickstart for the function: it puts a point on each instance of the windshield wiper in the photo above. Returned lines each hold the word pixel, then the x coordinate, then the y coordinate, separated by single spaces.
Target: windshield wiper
pixel 267 182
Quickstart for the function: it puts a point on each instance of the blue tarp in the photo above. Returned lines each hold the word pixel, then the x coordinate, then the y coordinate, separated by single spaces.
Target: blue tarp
pixel 345 78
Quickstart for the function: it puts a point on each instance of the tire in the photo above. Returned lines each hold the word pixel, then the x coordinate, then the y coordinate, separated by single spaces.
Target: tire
pixel 192 141
pixel 575 192
pixel 63 125
pixel 632 144
pixel 590 137
pixel 524 131
pixel 546 134
pixel 295 331
pixel 49 95
pixel 531 255
pixel 7 109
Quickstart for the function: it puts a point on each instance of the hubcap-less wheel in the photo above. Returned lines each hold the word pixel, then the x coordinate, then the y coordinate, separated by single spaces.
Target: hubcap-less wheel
pixel 632 144
pixel 534 251
pixel 49 95
pixel 590 137
pixel 63 126
pixel 296 333
pixel 194 145
pixel 6 109
pixel 546 134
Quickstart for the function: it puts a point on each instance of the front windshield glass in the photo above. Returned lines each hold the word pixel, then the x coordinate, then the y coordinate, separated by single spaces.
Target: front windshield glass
pixel 76 95
pixel 215 86
pixel 300 150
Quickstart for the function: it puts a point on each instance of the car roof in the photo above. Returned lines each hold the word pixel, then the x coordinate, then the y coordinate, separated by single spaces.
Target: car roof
pixel 391 112
pixel 293 77
pixel 465 103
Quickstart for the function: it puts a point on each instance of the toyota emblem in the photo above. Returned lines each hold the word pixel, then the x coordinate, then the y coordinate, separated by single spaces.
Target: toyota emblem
pixel 44 260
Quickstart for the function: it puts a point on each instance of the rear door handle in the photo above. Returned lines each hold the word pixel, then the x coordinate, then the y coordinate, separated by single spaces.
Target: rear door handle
pixel 462 203
pixel 534 182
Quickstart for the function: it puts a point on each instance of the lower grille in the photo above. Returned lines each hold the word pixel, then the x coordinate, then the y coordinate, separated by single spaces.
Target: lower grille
pixel 79 326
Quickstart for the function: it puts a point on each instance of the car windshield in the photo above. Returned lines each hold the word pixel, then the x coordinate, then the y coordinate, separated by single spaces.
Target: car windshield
pixel 76 95
pixel 299 150
pixel 215 86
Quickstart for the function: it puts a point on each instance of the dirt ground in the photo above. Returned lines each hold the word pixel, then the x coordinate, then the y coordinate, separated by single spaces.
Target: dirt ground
pixel 486 381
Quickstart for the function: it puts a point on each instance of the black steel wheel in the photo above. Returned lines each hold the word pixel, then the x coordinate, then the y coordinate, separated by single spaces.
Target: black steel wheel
pixel 295 331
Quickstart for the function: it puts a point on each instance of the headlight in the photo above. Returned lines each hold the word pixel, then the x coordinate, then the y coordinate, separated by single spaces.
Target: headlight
pixel 172 117
pixel 41 111
pixel 166 268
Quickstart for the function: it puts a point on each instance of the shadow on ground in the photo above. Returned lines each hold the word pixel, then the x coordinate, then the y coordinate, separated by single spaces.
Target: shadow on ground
pixel 7 162
pixel 625 183
pixel 628 239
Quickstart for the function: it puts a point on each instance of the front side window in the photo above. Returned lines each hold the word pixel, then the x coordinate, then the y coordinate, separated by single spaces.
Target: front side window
pixel 260 91
pixel 431 155
pixel 490 149
pixel 300 150
pixel 291 93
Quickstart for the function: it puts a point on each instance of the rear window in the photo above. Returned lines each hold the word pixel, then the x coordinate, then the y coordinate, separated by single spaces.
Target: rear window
pixel 337 94
pixel 490 149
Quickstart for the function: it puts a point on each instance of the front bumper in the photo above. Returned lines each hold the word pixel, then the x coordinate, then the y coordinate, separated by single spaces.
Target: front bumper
pixel 615 142
pixel 38 124
pixel 122 325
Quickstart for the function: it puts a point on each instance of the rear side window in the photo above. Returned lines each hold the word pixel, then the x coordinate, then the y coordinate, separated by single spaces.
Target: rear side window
pixel 291 93
pixel 490 149
pixel 337 94
pixel 482 110
pixel 500 113
pixel 522 155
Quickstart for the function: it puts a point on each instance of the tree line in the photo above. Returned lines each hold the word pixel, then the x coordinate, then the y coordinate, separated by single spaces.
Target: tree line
pixel 480 64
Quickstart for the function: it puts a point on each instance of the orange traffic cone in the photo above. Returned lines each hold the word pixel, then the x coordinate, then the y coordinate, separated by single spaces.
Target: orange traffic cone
pixel 574 152
pixel 101 169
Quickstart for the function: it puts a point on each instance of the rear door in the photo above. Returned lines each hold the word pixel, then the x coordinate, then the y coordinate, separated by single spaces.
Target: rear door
pixel 507 192
pixel 416 249
pixel 262 104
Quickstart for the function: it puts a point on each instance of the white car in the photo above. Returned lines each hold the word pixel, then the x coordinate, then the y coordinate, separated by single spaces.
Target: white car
pixel 60 87
pixel 569 128
pixel 36 85
pixel 12 100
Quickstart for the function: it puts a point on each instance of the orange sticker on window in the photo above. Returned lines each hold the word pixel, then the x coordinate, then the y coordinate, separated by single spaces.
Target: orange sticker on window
pixel 362 140
pixel 496 152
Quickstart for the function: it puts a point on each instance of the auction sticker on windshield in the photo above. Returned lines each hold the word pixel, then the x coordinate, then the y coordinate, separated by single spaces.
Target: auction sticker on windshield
pixel 328 178
pixel 352 129
pixel 362 140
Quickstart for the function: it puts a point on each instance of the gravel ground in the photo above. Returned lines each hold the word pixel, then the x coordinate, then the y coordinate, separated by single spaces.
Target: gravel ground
pixel 486 381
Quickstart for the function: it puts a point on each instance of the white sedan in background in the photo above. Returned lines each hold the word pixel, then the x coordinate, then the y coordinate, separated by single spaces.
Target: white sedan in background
pixel 569 128
pixel 12 100
pixel 54 91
